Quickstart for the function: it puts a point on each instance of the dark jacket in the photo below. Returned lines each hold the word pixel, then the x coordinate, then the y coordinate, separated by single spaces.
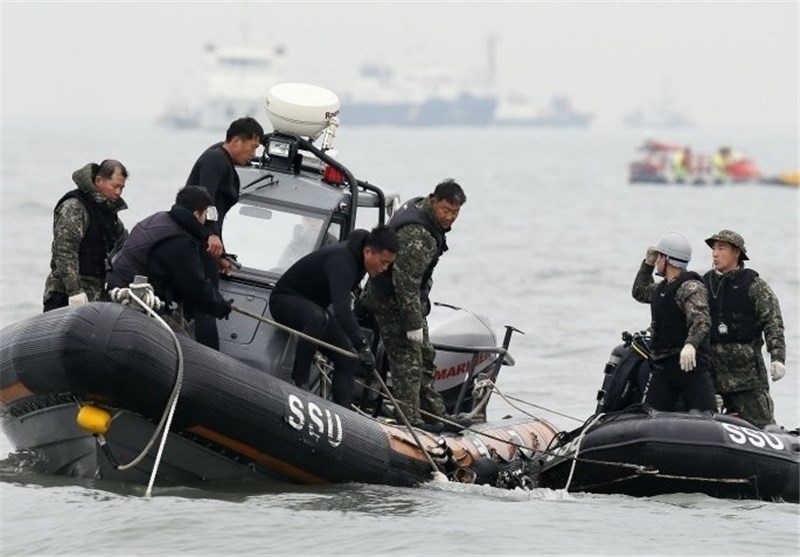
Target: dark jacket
pixel 216 172
pixel 101 235
pixel 668 320
pixel 730 303
pixel 329 276
pixel 166 247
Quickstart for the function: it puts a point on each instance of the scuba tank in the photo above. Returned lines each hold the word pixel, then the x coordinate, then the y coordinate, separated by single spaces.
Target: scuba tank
pixel 620 388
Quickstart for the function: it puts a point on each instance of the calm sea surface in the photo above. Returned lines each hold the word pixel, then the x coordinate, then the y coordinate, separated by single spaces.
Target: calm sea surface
pixel 549 241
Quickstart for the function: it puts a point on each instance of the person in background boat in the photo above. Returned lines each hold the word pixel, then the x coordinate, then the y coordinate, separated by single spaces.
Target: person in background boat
pixel 399 298
pixel 745 314
pixel 720 161
pixel 168 247
pixel 327 277
pixel 680 321
pixel 682 164
pixel 215 170
pixel 86 229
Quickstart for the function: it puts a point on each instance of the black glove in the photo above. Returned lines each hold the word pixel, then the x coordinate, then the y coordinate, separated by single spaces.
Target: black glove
pixel 366 358
pixel 228 308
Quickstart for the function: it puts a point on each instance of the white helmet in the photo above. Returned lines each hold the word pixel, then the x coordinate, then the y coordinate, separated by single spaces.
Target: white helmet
pixel 677 249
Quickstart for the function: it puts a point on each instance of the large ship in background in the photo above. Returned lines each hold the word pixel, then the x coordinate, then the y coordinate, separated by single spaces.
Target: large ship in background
pixel 383 96
pixel 233 82
pixel 423 96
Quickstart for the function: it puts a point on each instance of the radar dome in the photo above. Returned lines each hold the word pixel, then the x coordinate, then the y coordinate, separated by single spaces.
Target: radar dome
pixel 300 108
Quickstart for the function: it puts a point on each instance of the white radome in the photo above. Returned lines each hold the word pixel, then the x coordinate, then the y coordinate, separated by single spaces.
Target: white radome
pixel 301 109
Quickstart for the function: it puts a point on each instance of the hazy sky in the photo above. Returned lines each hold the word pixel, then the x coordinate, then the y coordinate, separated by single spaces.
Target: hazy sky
pixel 724 62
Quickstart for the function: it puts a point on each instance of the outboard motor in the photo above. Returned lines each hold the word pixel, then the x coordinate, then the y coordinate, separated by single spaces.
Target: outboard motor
pixel 456 371
pixel 621 384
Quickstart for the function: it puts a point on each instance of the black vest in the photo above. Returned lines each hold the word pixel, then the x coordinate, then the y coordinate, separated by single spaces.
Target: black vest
pixel 100 237
pixel 132 258
pixel 730 304
pixel 412 213
pixel 668 321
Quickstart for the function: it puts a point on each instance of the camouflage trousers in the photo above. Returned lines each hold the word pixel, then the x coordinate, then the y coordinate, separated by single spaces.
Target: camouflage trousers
pixel 754 405
pixel 411 364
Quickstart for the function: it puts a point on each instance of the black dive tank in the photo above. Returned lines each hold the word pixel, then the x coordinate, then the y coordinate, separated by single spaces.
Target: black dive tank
pixel 608 377
pixel 620 388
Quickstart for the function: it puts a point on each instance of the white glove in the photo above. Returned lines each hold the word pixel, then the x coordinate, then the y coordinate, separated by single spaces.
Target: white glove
pixel 688 358
pixel 719 402
pixel 651 256
pixel 778 370
pixel 415 336
pixel 78 299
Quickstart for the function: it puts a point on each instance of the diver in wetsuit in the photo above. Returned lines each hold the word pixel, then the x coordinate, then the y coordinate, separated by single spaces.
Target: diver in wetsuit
pixel 328 277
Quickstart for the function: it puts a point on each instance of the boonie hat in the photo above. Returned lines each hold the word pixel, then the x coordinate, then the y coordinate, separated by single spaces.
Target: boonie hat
pixel 730 237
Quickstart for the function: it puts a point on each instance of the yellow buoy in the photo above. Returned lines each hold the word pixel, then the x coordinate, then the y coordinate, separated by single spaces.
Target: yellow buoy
pixel 93 419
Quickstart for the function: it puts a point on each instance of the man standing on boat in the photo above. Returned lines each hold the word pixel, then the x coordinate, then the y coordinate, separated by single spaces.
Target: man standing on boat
pixel 215 171
pixel 86 229
pixel 168 247
pixel 399 298
pixel 328 277
pixel 744 314
pixel 680 361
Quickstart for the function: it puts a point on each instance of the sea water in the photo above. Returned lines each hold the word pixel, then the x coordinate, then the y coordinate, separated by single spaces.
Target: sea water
pixel 549 241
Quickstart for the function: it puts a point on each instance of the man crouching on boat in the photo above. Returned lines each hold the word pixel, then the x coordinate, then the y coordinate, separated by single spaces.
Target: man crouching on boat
pixel 326 277
pixel 167 247
pixel 680 363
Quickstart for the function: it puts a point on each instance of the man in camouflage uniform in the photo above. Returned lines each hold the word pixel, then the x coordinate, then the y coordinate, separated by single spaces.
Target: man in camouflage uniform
pixel 744 313
pixel 85 231
pixel 680 362
pixel 399 297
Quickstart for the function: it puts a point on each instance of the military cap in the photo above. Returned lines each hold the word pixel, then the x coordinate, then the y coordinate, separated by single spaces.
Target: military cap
pixel 730 237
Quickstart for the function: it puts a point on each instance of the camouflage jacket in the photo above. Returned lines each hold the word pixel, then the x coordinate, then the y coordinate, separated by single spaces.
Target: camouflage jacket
pixel 741 366
pixel 692 299
pixel 70 223
pixel 417 250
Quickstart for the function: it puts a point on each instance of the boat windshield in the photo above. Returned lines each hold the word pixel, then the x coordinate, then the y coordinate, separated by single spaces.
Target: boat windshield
pixel 271 239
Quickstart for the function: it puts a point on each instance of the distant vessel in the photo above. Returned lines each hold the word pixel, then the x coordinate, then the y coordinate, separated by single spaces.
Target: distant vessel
pixel 663 114
pixel 233 83
pixel 559 113
pixel 416 97
pixel 422 96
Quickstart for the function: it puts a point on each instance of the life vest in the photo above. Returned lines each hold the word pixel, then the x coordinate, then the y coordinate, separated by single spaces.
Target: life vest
pixel 100 236
pixel 132 258
pixel 411 213
pixel 730 304
pixel 668 321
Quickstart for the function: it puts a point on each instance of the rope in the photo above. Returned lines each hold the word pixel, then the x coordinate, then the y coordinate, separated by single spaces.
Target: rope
pixel 166 418
pixel 669 477
pixel 509 398
pixel 578 448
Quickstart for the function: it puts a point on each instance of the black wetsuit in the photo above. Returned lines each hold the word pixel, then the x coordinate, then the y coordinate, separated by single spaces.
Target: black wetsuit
pixel 216 172
pixel 300 300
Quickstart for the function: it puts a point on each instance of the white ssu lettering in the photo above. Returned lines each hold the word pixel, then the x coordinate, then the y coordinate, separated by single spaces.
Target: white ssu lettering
pixel 312 420
pixel 742 435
